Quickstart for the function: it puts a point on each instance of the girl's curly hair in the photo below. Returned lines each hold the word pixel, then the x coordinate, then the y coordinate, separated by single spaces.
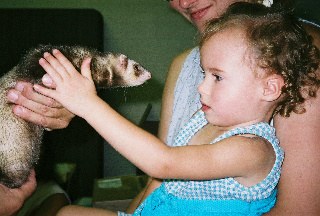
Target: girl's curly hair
pixel 279 45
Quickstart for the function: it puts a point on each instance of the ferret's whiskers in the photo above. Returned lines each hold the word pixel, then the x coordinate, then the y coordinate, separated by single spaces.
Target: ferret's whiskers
pixel 125 95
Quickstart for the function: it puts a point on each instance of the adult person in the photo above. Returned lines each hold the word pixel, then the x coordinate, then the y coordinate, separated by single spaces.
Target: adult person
pixel 12 199
pixel 299 192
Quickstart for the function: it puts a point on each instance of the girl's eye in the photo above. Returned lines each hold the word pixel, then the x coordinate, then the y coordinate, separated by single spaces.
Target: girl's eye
pixel 217 77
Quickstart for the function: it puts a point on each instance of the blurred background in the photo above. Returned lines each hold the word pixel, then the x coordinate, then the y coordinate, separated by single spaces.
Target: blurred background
pixel 148 31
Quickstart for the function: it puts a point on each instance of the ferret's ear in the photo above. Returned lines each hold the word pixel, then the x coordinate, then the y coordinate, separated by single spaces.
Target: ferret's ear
pixel 123 61
pixel 272 87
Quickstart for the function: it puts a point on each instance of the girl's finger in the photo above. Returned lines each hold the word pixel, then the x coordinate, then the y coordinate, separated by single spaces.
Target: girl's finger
pixel 64 61
pixel 55 63
pixel 47 81
pixel 45 91
pixel 85 69
pixel 56 77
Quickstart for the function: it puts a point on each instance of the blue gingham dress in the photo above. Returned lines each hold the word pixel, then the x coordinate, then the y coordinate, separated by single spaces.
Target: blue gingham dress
pixel 216 197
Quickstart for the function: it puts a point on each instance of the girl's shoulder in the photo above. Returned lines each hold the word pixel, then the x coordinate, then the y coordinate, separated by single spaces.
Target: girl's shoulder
pixel 249 159
pixel 249 147
pixel 255 145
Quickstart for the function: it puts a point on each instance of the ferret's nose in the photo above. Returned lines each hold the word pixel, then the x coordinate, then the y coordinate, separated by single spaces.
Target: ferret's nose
pixel 149 75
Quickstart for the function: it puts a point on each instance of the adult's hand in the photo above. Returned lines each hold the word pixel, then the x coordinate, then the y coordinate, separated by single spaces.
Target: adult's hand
pixel 36 108
pixel 12 199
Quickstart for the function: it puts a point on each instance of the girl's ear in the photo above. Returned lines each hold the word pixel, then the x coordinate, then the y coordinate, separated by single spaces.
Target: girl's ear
pixel 272 88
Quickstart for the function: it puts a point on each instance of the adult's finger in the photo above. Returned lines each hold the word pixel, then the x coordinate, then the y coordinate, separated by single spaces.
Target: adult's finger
pixel 23 94
pixel 59 120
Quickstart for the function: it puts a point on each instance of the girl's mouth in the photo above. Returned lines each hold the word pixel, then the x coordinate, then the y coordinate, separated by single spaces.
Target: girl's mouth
pixel 205 108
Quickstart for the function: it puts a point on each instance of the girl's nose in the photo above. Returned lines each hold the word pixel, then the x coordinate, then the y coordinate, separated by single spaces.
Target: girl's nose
pixel 202 88
pixel 186 3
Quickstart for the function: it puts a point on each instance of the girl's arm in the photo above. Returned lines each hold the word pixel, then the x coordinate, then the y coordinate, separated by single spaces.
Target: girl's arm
pixel 77 93
pixel 165 118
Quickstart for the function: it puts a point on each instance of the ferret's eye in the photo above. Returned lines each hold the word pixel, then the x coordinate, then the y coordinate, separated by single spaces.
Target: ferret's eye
pixel 137 70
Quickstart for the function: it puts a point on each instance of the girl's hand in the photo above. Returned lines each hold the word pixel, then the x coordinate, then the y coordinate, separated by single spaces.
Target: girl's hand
pixel 73 90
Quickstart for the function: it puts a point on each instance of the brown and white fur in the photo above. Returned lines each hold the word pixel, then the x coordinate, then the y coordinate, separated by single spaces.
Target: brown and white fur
pixel 20 140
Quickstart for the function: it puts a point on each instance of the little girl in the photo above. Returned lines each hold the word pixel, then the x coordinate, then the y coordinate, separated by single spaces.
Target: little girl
pixel 227 158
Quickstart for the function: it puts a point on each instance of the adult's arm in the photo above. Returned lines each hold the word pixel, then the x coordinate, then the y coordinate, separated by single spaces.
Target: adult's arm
pixel 168 95
pixel 12 199
pixel 299 189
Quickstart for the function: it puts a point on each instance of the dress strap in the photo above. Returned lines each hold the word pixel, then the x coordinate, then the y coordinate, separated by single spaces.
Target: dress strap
pixel 261 129
pixel 196 122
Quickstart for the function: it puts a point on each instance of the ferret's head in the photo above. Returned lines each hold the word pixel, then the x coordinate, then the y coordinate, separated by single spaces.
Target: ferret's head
pixel 128 72
pixel 117 70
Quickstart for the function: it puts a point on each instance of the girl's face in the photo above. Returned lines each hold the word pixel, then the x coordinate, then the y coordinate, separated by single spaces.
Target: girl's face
pixel 231 91
pixel 200 11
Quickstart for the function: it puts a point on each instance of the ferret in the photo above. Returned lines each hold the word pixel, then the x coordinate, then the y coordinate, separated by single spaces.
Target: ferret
pixel 20 140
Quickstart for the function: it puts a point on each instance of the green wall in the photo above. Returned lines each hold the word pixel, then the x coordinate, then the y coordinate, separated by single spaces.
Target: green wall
pixel 148 31
pixel 308 9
